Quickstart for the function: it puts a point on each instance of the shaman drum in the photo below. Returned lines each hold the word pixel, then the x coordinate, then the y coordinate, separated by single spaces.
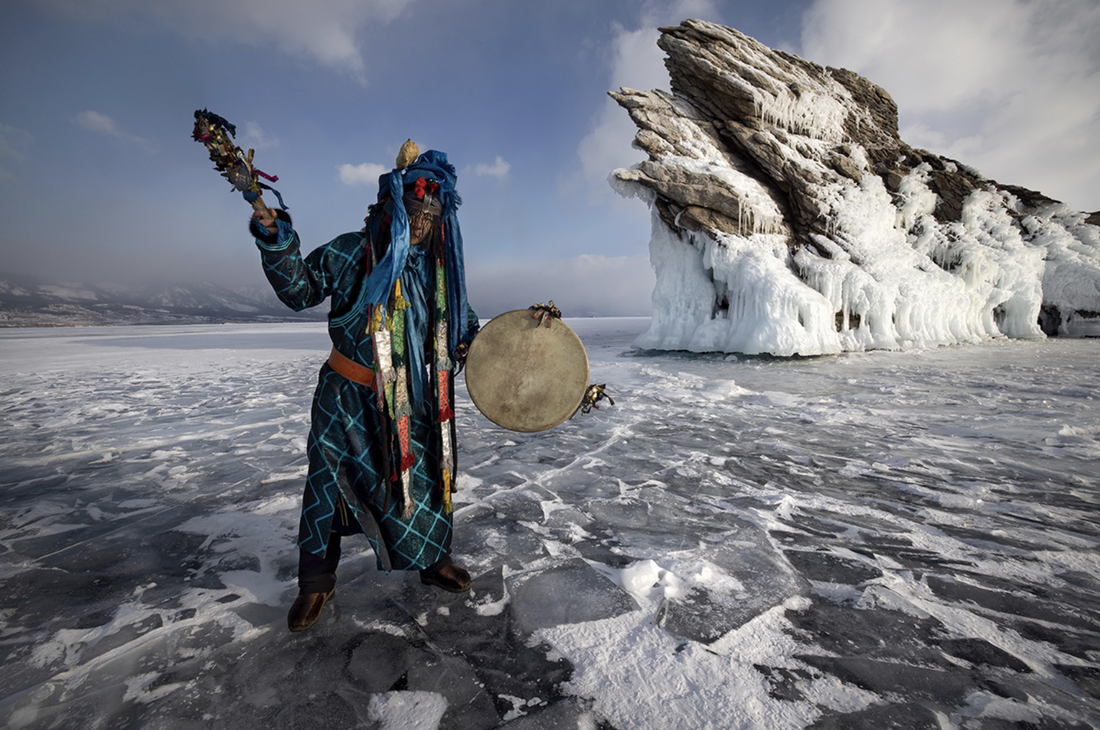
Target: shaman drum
pixel 525 376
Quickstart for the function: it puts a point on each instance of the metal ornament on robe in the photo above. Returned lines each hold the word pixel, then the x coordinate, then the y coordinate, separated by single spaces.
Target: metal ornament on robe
pixel 524 375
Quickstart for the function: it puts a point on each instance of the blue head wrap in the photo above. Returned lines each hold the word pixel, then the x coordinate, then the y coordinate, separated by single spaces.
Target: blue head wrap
pixel 432 166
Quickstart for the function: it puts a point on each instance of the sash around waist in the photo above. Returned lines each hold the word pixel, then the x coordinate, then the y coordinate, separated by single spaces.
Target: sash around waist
pixel 350 369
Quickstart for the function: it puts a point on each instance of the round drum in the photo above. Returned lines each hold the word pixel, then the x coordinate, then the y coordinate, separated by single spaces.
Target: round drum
pixel 524 376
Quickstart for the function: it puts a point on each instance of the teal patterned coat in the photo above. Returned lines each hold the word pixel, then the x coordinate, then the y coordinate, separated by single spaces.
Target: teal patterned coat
pixel 345 448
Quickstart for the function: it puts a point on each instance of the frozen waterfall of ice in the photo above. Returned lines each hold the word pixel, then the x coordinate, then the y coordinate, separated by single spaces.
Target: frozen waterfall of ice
pixel 888 274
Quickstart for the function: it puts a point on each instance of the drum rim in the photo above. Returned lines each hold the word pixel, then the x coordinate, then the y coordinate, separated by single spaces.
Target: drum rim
pixel 580 396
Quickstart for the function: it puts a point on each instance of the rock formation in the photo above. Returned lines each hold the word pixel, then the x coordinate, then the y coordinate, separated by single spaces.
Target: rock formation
pixel 789 217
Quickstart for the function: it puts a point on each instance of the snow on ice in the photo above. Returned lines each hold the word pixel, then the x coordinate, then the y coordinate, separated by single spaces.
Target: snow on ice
pixel 869 539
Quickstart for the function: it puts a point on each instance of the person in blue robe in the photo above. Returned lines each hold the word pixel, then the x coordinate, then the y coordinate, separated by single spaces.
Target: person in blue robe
pixel 382 445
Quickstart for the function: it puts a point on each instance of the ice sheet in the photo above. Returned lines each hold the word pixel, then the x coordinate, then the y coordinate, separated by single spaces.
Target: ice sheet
pixel 738 542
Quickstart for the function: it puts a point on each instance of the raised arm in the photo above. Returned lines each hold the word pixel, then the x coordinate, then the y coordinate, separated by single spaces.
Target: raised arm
pixel 299 282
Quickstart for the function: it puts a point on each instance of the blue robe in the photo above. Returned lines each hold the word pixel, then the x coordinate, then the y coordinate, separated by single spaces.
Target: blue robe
pixel 345 441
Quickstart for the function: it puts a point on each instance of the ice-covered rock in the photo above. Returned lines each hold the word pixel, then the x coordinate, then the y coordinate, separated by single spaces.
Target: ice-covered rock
pixel 789 217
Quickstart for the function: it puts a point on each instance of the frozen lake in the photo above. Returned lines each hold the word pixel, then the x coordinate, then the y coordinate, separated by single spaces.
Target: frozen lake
pixel 886 539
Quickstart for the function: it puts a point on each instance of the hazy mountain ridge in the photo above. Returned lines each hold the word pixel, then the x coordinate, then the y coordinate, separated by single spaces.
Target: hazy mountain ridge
pixel 31 302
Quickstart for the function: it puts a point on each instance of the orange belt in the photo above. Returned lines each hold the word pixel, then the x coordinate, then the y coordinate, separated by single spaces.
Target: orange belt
pixel 350 369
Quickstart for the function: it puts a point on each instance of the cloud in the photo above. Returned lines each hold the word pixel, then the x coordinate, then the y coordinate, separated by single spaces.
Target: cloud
pixel 12 142
pixel 1011 87
pixel 98 122
pixel 324 31
pixel 499 169
pixel 635 62
pixel 255 137
pixel 581 287
pixel 365 174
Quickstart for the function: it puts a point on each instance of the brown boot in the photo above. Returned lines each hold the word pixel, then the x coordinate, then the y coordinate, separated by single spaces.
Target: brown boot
pixel 450 578
pixel 307 609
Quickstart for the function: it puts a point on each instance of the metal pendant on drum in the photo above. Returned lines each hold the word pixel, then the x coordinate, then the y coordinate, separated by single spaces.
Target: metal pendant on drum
pixel 525 376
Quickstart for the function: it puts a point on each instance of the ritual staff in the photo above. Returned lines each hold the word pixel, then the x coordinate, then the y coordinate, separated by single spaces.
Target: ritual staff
pixel 382 441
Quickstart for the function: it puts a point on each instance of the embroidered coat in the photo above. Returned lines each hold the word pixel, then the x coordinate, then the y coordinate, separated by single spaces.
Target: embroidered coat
pixel 349 443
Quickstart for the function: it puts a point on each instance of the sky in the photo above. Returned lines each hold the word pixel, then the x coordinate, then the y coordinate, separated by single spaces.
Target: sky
pixel 101 182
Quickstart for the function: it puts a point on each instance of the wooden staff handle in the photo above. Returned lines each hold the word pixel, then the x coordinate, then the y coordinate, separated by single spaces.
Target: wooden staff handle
pixel 259 206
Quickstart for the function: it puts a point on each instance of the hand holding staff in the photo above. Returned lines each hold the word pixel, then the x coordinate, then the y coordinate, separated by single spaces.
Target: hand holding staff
pixel 266 218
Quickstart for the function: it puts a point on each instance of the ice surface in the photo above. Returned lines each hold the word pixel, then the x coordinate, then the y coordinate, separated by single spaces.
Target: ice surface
pixel 865 540
pixel 568 592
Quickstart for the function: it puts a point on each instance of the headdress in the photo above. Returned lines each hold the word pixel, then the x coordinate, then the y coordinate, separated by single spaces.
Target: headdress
pixel 431 167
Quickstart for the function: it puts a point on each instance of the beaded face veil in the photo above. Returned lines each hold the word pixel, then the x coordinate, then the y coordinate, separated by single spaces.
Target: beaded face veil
pixel 423 212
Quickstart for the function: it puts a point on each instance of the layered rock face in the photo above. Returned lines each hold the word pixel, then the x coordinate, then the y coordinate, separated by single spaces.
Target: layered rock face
pixel 789 217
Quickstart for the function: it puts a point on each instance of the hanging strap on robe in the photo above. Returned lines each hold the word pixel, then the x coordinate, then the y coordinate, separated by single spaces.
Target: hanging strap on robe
pixel 442 366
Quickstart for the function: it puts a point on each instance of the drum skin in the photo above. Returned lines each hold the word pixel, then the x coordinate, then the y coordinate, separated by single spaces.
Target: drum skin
pixel 524 376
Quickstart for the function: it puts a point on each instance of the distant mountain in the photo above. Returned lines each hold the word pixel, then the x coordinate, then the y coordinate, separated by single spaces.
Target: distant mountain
pixel 30 302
